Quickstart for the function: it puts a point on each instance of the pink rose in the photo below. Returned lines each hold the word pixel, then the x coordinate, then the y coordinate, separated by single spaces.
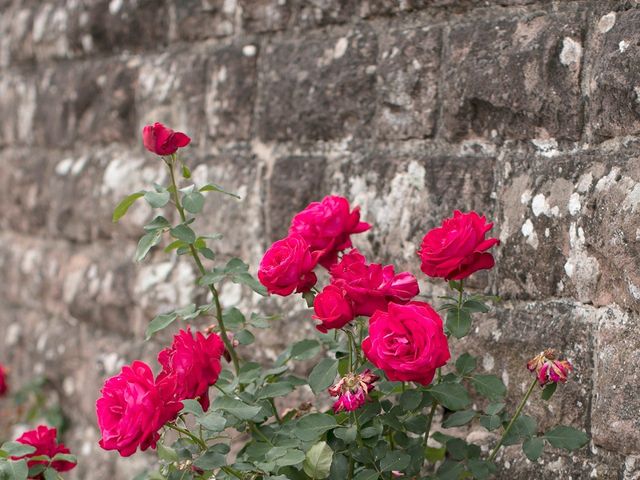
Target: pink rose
pixel 407 342
pixel 332 308
pixel 44 439
pixel 327 226
pixel 372 286
pixel 163 141
pixel 133 407
pixel 458 247
pixel 4 386
pixel 287 266
pixel 194 363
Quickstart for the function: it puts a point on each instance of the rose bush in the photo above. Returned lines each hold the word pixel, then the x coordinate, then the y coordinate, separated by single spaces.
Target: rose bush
pixel 382 355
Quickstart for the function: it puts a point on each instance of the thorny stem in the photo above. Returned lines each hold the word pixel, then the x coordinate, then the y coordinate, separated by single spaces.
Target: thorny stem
pixel 194 252
pixel 434 405
pixel 494 452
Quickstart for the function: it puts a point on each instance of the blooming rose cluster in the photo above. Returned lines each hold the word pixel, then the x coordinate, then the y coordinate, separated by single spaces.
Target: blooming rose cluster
pixel 406 338
pixel 44 439
pixel 135 405
pixel 316 236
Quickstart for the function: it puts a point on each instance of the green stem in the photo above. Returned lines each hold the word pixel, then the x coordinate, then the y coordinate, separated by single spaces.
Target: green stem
pixel 460 295
pixel 199 441
pixel 494 452
pixel 434 405
pixel 275 410
pixel 257 431
pixel 194 252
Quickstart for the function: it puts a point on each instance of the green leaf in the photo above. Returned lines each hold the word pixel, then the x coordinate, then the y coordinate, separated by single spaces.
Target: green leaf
pixel 210 460
pixel 193 202
pixel 323 375
pixel 494 408
pixel 347 435
pixel 245 337
pixel 565 437
pixel 14 470
pixel 451 395
pixel 458 419
pixel 475 306
pixel 524 427
pixel 250 281
pixel 249 372
pixel 291 457
pixel 458 322
pixel 237 408
pixel 184 233
pixel 450 470
pixel 157 199
pixel 410 400
pixel 489 386
pixel 157 223
pixel 166 453
pixel 212 421
pixel 212 277
pixel 549 390
pixel 173 245
pixel 313 426
pixel 212 187
pixel 193 407
pixel 394 460
pixel 533 447
pixel 305 349
pixel 339 468
pixel 309 297
pixel 466 364
pixel 490 422
pixel 147 241
pixel 123 206
pixel 455 285
pixel 186 173
pixel 65 457
pixel 481 469
pixel 272 390
pixel 17 449
pixel 434 455
pixel 367 474
pixel 317 462
pixel 50 474
pixel 160 323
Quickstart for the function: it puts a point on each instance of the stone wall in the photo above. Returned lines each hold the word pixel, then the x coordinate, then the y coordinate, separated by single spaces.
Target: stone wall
pixel 526 110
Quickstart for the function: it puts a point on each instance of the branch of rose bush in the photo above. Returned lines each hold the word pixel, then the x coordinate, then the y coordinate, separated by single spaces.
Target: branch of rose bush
pixel 194 253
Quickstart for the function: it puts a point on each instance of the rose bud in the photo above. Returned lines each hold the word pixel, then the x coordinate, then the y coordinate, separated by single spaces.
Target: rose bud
pixel 163 141
pixel 458 247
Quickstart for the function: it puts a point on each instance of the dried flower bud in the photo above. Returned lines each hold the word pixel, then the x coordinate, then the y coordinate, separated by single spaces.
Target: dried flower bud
pixel 549 368
pixel 352 390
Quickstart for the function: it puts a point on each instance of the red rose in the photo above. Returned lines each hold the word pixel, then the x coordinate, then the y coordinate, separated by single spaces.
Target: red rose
pixel 4 386
pixel 161 140
pixel 133 407
pixel 194 363
pixel 287 266
pixel 327 226
pixel 332 308
pixel 407 342
pixel 458 247
pixel 372 286
pixel 44 439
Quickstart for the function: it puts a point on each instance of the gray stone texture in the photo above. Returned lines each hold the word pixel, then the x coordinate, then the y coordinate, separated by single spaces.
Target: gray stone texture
pixel 524 110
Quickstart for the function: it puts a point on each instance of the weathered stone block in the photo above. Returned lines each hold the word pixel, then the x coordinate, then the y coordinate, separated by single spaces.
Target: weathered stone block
pixel 319 88
pixel 200 19
pixel 264 15
pixel 616 423
pixel 93 101
pixel 294 183
pixel 231 91
pixel 568 227
pixel 171 89
pixel 614 96
pixel 17 108
pixel 515 78
pixel 326 12
pixel 408 73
